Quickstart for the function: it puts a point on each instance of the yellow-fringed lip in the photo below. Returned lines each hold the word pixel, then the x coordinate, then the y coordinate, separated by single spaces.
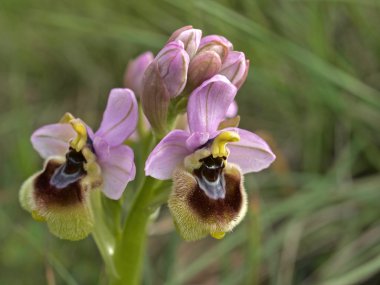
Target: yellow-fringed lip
pixel 218 147
pixel 218 235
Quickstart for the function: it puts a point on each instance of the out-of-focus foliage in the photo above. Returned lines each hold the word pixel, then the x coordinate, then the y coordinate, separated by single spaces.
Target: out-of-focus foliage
pixel 313 91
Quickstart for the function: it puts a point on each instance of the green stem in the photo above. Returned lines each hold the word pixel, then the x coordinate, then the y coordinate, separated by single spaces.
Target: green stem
pixel 102 235
pixel 130 252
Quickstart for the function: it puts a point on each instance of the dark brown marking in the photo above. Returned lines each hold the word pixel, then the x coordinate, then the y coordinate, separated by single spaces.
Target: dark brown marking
pixel 48 194
pixel 227 208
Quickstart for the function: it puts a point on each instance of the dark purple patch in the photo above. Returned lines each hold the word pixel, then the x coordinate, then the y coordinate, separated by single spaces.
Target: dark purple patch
pixel 46 193
pixel 227 208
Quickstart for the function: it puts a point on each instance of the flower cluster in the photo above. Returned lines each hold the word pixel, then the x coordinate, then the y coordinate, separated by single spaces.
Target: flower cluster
pixel 185 62
pixel 206 158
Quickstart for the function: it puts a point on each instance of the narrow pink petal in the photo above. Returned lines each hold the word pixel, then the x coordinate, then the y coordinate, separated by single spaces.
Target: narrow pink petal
pixel 208 104
pixel 169 153
pixel 251 153
pixel 119 118
pixel 118 168
pixel 52 139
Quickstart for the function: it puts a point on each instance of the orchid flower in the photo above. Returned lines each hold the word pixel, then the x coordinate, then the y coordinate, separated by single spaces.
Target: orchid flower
pixel 207 164
pixel 79 161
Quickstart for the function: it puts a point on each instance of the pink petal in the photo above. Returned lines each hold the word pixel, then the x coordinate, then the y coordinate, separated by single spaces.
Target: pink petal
pixel 119 118
pixel 52 139
pixel 196 140
pixel 232 110
pixel 135 71
pixel 170 152
pixel 208 104
pixel 251 153
pixel 118 169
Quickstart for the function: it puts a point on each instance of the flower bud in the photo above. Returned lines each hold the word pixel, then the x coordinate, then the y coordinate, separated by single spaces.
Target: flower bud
pixel 165 78
pixel 218 44
pixel 135 71
pixel 204 66
pixel 173 63
pixel 190 38
pixel 235 68
pixel 155 98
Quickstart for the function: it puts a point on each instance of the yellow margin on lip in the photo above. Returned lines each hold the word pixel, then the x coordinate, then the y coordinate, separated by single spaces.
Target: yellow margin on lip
pixel 218 235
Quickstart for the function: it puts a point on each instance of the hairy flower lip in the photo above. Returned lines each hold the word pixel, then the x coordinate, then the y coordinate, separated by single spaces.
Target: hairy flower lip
pixel 196 215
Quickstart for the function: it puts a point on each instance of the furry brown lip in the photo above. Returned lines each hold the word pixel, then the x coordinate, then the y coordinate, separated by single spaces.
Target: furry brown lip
pixel 210 177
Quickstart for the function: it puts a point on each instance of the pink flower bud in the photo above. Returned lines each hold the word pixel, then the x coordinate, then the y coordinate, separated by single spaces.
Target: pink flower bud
pixel 189 37
pixel 173 63
pixel 216 43
pixel 235 68
pixel 135 71
pixel 203 66
pixel 155 98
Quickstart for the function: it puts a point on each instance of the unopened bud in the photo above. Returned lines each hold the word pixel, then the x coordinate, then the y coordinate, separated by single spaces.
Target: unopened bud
pixel 204 66
pixel 173 62
pixel 216 43
pixel 135 72
pixel 189 37
pixel 235 68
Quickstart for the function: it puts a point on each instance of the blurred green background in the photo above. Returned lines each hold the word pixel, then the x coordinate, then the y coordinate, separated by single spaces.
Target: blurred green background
pixel 313 92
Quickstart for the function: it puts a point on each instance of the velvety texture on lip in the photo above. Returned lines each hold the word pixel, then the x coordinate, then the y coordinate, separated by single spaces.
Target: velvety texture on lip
pixel 218 209
pixel 46 193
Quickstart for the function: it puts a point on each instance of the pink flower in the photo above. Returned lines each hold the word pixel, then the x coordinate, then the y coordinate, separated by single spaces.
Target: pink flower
pixel 207 163
pixel 107 143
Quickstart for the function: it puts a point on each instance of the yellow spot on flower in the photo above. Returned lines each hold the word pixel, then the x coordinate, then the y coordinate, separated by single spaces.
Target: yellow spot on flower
pixel 218 147
pixel 66 118
pixel 218 235
pixel 37 217
pixel 80 141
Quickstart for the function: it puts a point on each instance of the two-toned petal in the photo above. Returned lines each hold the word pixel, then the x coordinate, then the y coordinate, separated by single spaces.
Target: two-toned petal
pixel 251 153
pixel 52 140
pixel 167 155
pixel 208 104
pixel 119 118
